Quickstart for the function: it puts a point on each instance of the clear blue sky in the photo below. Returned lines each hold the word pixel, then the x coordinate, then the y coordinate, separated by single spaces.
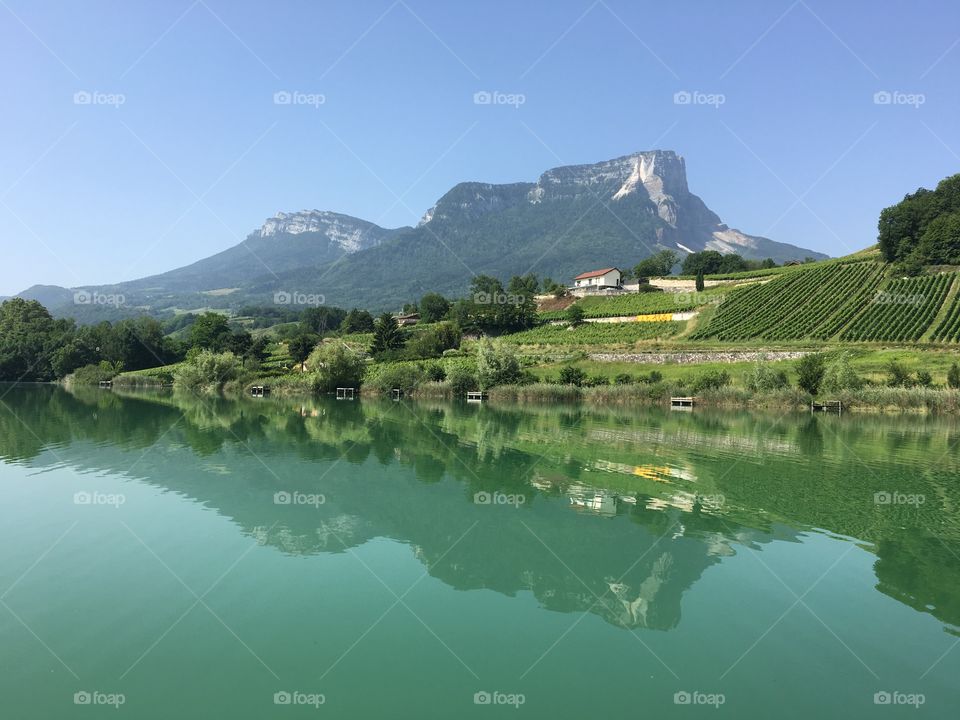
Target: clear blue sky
pixel 198 154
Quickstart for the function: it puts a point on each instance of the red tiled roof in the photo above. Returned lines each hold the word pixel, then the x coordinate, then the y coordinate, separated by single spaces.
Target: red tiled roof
pixel 594 273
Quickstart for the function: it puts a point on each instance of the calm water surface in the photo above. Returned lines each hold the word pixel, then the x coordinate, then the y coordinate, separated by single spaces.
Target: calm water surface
pixel 186 558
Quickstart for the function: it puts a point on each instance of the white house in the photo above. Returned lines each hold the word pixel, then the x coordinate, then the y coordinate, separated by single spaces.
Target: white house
pixel 606 278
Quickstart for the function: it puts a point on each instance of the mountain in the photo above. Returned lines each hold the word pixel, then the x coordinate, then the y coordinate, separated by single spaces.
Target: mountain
pixel 573 218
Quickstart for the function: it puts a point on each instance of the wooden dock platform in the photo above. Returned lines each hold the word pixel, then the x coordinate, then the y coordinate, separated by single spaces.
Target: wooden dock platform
pixel 347 393
pixel 259 391
pixel 682 402
pixel 476 396
pixel 827 406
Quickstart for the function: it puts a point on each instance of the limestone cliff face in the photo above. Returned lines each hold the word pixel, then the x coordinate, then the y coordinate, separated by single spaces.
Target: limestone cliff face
pixel 349 233
pixel 652 182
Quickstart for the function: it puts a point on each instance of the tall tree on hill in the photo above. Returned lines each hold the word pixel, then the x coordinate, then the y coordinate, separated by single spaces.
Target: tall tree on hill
pixel 700 283
pixel 433 307
pixel 387 335
pixel 300 348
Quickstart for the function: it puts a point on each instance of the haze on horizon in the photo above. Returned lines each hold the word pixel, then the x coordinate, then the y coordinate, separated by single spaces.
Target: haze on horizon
pixel 142 138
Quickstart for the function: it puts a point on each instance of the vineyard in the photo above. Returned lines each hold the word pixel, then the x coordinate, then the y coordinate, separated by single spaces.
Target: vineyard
pixel 652 303
pixel 949 328
pixel 595 333
pixel 813 303
pixel 903 310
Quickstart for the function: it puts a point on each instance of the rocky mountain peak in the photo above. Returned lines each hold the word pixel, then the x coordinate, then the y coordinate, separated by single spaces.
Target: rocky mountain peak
pixel 351 234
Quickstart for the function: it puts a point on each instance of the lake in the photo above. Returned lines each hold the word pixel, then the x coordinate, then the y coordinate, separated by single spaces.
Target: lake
pixel 166 556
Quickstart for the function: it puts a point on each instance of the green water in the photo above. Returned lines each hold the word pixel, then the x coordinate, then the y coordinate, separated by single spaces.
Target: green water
pixel 580 563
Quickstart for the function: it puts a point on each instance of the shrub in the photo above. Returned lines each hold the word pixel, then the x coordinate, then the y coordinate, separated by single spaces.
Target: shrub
pixel 763 378
pixel 623 379
pixel 461 380
pixel 574 315
pixel 433 341
pixel 839 375
pixel 953 376
pixel 924 378
pixel 93 374
pixel 810 369
pixel 595 381
pixel 334 364
pixel 404 376
pixel 496 365
pixel 208 371
pixel 570 375
pixel 898 375
pixel 711 380
pixel 650 378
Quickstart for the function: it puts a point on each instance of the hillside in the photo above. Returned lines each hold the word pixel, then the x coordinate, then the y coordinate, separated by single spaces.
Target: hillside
pixel 575 217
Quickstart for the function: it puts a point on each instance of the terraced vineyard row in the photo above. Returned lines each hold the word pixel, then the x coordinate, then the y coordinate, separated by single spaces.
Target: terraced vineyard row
pixel 808 303
pixel 903 310
pixel 595 333
pixel 949 328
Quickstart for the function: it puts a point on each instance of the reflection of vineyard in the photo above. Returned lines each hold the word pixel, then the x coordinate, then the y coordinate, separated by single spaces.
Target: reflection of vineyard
pixel 409 472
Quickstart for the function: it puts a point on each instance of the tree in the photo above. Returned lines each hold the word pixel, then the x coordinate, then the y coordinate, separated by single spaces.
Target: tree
pixel 700 283
pixel 321 320
pixel 525 285
pixel 570 375
pixel 574 315
pixel 357 321
pixel 433 307
pixel 953 376
pixel 29 337
pixel 432 341
pixel 657 265
pixel 336 365
pixel 210 331
pixel 810 371
pixel 496 365
pixel 300 348
pixel 387 335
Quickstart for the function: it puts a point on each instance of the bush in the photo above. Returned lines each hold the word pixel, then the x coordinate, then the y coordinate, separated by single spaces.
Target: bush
pixel 763 378
pixel 651 378
pixel 574 315
pixel 924 379
pixel 953 376
pixel 404 376
pixel 570 375
pixel 334 364
pixel 94 374
pixel 623 379
pixel 461 380
pixel 595 381
pixel 710 380
pixel 496 365
pixel 898 375
pixel 208 371
pixel 810 369
pixel 839 375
